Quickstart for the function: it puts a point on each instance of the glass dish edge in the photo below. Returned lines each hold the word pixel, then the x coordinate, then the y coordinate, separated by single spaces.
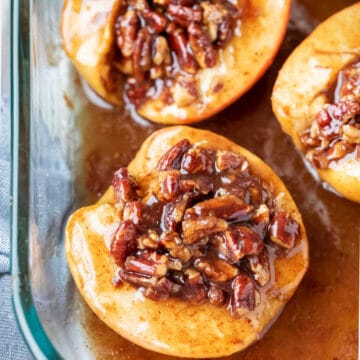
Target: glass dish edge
pixel 24 309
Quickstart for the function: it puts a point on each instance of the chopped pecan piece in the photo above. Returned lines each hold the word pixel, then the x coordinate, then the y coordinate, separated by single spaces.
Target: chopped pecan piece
pixel 178 42
pixel 239 242
pixel 173 212
pixel 149 240
pixel 147 264
pixel 217 17
pixel 172 158
pixel 227 207
pixel 216 270
pixel 184 14
pixel 175 264
pixel 124 242
pixel 126 29
pixel 161 51
pixel 185 91
pixel 141 56
pixel 201 184
pixel 216 296
pixel 197 160
pixel 182 253
pixel 170 239
pixel 249 240
pixel 183 2
pixel 243 298
pixel 137 279
pixel 123 186
pixel 260 267
pixel 261 220
pixel 284 230
pixel 155 21
pixel 200 227
pixel 194 289
pixel 133 211
pixel 137 91
pixel 140 5
pixel 203 50
pixel 233 11
pixel 169 185
pixel 224 32
pixel 226 160
pixel 162 289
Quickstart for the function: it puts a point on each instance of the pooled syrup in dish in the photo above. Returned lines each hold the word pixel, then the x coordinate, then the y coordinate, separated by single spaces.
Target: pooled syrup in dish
pixel 321 320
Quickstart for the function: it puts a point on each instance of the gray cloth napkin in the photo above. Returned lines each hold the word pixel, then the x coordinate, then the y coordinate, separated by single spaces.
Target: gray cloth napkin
pixel 12 345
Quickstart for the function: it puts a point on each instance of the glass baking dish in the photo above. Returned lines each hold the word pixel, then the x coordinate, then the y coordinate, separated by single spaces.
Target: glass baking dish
pixel 66 144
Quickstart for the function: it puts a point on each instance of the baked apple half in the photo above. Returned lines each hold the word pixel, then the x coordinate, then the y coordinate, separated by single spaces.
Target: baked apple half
pixel 316 99
pixel 194 249
pixel 176 61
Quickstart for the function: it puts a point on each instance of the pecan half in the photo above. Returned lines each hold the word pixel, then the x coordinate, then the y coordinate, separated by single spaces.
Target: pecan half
pixel 227 207
pixel 200 227
pixel 133 211
pixel 243 297
pixel 141 57
pixel 173 213
pixel 123 185
pixel 239 242
pixel 193 289
pixel 126 29
pixel 226 160
pixel 172 158
pixel 261 220
pixel 124 242
pixel 169 185
pixel 197 160
pixel 162 289
pixel 284 230
pixel 147 264
pixel 260 267
pixel 184 14
pixel 218 17
pixel 201 184
pixel 178 42
pixel 155 21
pixel 203 50
pixel 182 253
pixel 136 279
pixel 217 270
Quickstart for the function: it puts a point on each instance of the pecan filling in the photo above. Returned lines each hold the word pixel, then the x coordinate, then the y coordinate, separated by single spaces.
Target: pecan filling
pixel 168 39
pixel 335 132
pixel 206 230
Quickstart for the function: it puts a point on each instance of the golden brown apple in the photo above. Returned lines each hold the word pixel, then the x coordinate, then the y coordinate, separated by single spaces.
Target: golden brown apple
pixel 183 86
pixel 317 73
pixel 174 325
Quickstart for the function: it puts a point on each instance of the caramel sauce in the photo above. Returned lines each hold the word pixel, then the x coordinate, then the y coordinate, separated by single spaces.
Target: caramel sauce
pixel 321 320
